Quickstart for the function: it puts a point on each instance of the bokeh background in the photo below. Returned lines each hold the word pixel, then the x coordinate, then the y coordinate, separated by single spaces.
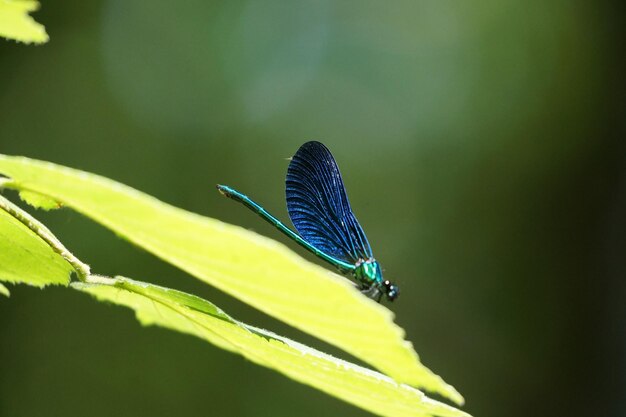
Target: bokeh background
pixel 482 145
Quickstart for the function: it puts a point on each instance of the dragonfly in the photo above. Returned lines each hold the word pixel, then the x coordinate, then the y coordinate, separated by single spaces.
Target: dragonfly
pixel 319 209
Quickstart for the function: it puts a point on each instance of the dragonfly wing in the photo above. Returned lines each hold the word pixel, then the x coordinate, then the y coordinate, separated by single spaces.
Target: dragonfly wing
pixel 318 205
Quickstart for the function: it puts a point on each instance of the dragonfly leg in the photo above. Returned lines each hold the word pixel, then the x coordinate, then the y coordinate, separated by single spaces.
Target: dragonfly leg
pixel 372 292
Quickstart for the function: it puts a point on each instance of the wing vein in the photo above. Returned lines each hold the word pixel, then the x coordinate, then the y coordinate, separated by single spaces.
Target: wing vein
pixel 318 205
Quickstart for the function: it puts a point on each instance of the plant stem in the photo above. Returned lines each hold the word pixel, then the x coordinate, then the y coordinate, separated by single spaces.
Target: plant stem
pixel 82 269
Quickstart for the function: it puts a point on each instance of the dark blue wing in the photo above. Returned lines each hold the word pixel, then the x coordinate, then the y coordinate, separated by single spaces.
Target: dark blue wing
pixel 319 207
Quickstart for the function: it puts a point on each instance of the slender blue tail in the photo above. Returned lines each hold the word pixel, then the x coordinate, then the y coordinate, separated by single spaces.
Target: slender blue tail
pixel 231 193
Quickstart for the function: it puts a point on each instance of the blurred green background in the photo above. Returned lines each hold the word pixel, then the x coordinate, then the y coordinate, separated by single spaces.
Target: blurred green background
pixel 481 145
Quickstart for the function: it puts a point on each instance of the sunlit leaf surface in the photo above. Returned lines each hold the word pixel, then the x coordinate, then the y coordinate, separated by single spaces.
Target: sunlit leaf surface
pixel 15 22
pixel 24 254
pixel 255 269
pixel 186 313
pixel 26 258
pixel 4 291
pixel 39 200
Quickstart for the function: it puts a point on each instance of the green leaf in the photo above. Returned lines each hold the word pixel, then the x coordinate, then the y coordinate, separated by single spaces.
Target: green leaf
pixel 255 269
pixel 4 291
pixel 15 23
pixel 186 313
pixel 189 314
pixel 25 257
pixel 39 201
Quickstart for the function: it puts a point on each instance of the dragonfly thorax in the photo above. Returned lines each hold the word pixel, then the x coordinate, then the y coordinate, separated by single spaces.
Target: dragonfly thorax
pixel 370 276
pixel 368 271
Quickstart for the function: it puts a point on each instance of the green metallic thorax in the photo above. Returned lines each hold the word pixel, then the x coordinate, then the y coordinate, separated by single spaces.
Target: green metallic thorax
pixel 368 272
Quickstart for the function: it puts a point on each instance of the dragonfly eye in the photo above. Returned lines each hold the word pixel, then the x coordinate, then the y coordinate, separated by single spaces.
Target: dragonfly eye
pixel 391 290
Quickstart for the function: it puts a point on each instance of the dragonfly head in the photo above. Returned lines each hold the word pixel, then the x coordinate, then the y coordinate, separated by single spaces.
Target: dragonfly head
pixel 391 290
